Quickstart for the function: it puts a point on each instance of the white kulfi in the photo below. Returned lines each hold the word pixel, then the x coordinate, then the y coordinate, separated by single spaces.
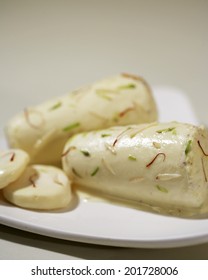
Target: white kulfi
pixel 161 166
pixel 43 130
pixel 40 187
pixel 12 164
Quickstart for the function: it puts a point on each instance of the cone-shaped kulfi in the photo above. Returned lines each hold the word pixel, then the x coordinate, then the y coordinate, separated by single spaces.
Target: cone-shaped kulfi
pixel 163 166
pixel 43 130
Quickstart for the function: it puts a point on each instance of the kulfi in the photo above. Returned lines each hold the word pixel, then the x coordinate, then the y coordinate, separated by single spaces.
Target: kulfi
pixel 43 130
pixel 163 166
pixel 12 164
pixel 40 187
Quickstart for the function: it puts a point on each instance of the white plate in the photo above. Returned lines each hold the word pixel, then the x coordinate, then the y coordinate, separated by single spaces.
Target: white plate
pixel 103 223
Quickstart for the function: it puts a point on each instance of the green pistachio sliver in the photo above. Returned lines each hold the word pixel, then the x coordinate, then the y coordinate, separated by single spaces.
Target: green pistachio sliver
pixel 55 106
pixel 84 134
pixel 85 153
pixel 188 147
pixel 105 135
pixel 71 126
pixel 161 189
pixel 133 135
pixel 105 93
pixel 76 173
pixel 115 118
pixel 133 158
pixel 127 86
pixel 169 129
pixel 174 131
pixel 43 170
pixel 95 171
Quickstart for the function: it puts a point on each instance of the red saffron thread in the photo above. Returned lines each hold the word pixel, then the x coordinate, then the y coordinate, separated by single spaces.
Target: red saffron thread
pixel 202 148
pixel 32 180
pixel 203 168
pixel 12 157
pixel 152 161
pixel 123 113
pixel 68 150
pixel 117 138
pixel 114 143
pixel 27 117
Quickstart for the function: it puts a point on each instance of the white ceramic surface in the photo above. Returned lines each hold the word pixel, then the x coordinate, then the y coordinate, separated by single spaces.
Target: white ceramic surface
pixel 99 222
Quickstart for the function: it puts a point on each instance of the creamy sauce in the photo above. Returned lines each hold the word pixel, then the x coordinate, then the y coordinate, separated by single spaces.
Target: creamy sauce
pixel 90 196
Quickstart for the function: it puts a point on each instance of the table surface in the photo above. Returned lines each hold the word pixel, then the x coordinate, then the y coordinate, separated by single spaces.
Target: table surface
pixel 17 244
pixel 51 47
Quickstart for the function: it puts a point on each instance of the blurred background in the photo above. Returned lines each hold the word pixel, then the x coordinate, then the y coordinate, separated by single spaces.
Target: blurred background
pixel 48 48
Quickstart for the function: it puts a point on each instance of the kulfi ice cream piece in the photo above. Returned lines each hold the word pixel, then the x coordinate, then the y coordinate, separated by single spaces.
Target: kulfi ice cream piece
pixel 163 166
pixel 40 187
pixel 43 130
pixel 12 164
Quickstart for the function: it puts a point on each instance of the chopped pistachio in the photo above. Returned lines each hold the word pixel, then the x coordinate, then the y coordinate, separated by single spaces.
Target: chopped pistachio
pixel 115 119
pixel 133 158
pixel 174 131
pixel 105 135
pixel 85 153
pixel 71 126
pixel 188 147
pixel 95 171
pixel 169 129
pixel 127 86
pixel 55 106
pixel 84 134
pixel 162 189
pixel 133 134
pixel 43 170
pixel 76 173
pixel 104 93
